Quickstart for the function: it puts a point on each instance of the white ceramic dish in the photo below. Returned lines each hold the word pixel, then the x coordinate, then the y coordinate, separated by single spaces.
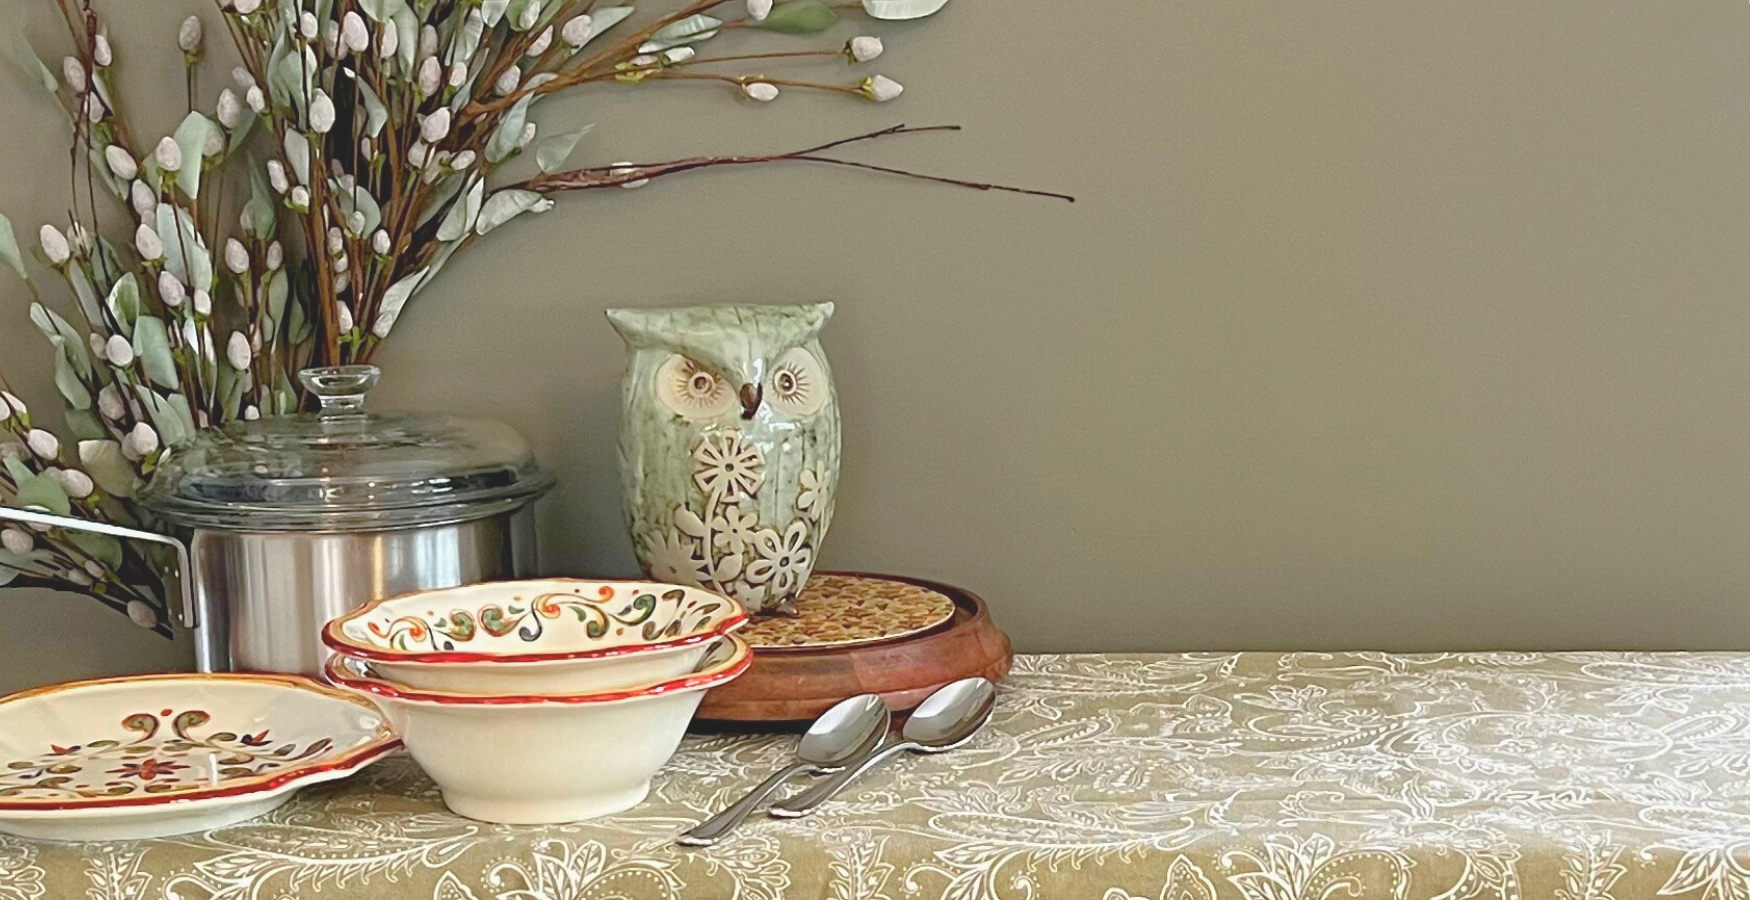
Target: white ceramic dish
pixel 155 755
pixel 528 760
pixel 544 636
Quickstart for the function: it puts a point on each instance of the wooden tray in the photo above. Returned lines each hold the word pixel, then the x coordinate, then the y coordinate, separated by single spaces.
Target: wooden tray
pixel 797 684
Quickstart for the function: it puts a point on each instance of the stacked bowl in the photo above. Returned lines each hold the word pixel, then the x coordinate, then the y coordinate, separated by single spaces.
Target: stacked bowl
pixel 540 701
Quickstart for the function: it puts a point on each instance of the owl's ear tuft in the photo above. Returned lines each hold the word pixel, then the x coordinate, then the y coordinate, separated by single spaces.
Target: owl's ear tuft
pixel 816 314
pixel 633 325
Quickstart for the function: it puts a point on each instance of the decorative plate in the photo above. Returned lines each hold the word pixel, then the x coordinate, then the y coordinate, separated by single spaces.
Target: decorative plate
pixel 847 610
pixel 155 755
pixel 541 620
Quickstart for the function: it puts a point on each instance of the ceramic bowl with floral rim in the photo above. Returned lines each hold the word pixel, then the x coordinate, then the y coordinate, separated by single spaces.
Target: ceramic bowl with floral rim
pixel 154 755
pixel 539 759
pixel 543 636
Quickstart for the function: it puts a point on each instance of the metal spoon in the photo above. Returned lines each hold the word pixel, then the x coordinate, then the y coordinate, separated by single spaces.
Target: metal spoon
pixel 851 730
pixel 946 719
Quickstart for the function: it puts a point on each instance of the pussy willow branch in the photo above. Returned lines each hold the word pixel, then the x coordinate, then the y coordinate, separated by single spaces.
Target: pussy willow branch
pixel 613 176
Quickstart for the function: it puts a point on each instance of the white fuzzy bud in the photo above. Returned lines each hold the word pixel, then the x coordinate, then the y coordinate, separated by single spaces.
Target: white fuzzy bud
pixel 643 60
pixel 321 112
pixel 109 402
pixel 241 76
pixel 214 143
pixel 367 149
pixel 256 99
pixel 462 160
pixel 435 127
pixel 237 351
pixel 343 317
pixel 275 256
pixel 626 168
pixel 169 155
pixel 301 197
pixel 143 198
pixel 428 40
pixel 100 52
pixel 577 31
pixel 236 256
pixel 307 25
pixel 331 37
pixel 431 75
pixel 674 55
pixel 170 290
pixel 77 484
pixel 757 10
pixel 342 264
pixel 94 108
pixel 336 241
pixel 146 241
pixel 508 81
pixel 458 75
pixel 388 41
pixel 355 223
pixel 42 443
pixel 251 413
pixel 17 541
pixel 541 43
pixel 140 612
pixel 527 17
pixel 881 89
pixel 203 302
pixel 118 351
pixel 143 440
pixel 99 346
pixel 353 33
pixel 276 176
pixel 229 110
pixel 380 242
pixel 76 577
pixel 245 7
pixel 74 72
pixel 10 404
pixel 188 37
pixel 864 48
pixel 418 153
pixel 761 91
pixel 54 244
pixel 527 137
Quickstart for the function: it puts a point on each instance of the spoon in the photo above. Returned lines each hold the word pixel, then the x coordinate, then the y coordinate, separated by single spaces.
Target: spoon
pixel 851 730
pixel 947 719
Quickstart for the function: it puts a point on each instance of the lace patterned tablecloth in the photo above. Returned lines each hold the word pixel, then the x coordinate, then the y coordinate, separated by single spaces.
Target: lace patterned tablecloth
pixel 1252 776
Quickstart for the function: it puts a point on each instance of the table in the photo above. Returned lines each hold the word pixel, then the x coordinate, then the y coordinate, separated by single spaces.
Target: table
pixel 1250 776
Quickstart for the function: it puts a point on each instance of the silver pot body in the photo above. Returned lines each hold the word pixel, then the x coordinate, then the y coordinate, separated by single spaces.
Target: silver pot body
pixel 265 596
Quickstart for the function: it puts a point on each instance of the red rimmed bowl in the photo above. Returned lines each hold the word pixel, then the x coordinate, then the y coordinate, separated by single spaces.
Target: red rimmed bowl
pixel 540 636
pixel 544 758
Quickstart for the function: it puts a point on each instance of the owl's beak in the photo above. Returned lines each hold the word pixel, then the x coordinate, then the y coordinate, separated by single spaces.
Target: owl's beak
pixel 751 395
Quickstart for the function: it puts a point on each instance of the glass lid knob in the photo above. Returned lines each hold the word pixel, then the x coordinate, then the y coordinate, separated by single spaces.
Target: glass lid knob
pixel 340 389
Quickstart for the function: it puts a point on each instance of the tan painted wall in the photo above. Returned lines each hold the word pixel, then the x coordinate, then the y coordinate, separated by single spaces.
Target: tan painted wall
pixel 1383 324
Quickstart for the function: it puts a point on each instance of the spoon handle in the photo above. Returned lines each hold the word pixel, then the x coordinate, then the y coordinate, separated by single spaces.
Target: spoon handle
pixel 713 829
pixel 804 803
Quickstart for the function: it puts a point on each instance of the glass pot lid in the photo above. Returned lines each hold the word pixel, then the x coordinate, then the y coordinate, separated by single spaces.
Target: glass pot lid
pixel 344 469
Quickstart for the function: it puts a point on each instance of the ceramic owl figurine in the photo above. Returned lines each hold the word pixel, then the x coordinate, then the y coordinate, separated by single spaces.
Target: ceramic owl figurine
pixel 729 446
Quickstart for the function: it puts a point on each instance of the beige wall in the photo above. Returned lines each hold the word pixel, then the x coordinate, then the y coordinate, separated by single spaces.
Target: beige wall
pixel 1379 324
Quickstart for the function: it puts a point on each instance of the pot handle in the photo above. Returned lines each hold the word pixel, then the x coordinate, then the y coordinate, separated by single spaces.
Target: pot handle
pixel 191 618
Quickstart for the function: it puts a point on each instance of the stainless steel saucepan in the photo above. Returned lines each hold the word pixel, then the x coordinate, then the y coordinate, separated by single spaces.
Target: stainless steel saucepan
pixel 286 522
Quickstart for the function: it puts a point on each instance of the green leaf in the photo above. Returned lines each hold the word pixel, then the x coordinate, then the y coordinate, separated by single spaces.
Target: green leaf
pixel 191 138
pixel 800 17
pixel 407 30
pixel 263 213
pixel 393 300
pixel 84 424
pixel 38 490
pixel 298 154
pixel 691 27
pixel 278 289
pixel 902 9
pixel 466 39
pixel 85 291
pixel 460 219
pixel 601 20
pixel 382 10
pixel 31 64
pixel 124 302
pixel 493 10
pixel 285 398
pixel 357 199
pixel 68 383
pixel 62 335
pixel 176 230
pixel 508 204
pixel 106 464
pixel 551 153
pixel 375 112
pixel 101 547
pixel 9 249
pixel 152 346
pixel 510 130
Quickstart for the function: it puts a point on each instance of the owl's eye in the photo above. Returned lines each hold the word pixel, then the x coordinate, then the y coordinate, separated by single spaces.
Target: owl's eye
pixel 692 391
pixel 798 383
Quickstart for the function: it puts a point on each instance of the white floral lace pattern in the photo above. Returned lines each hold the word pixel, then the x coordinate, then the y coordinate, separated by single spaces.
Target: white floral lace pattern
pixel 1220 776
